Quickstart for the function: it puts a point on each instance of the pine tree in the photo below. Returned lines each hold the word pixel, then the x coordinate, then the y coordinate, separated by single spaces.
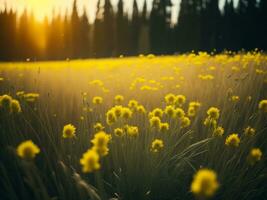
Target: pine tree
pixel 76 32
pixel 108 23
pixel 85 47
pixel 67 32
pixel 262 31
pixel 144 46
pixel 229 26
pixel 98 32
pixel 122 32
pixel 214 24
pixel 135 29
pixel 7 35
pixel 186 29
pixel 160 19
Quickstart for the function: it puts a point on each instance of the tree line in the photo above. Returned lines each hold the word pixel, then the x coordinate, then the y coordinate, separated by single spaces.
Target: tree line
pixel 201 26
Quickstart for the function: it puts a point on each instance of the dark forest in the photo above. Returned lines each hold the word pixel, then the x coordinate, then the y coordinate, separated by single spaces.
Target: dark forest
pixel 201 26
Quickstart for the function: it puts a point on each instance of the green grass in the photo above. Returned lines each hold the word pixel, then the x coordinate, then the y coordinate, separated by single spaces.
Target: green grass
pixel 131 171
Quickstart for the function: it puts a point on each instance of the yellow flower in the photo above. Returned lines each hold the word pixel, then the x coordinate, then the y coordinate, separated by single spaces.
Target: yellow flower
pixel 15 106
pixel 191 112
pixel 180 100
pixel 111 117
pixel 232 140
pixel 118 99
pixel 102 151
pixel 69 131
pixel 157 112
pixel 133 104
pixel 194 104
pixel 179 112
pixel 157 145
pixel 185 122
pixel 155 122
pixel 98 127
pixel 170 111
pixel 5 102
pixel 206 77
pixel 20 93
pixel 27 150
pixel 101 139
pixel 90 161
pixel 235 98
pixel 126 113
pixel 100 142
pixel 219 131
pixel 31 97
pixel 119 132
pixel 210 122
pixel 150 56
pixel 97 83
pixel 141 109
pixel 164 127
pixel 213 113
pixel 117 111
pixel 204 183
pixel 170 99
pixel 249 131
pixel 254 156
pixel 97 100
pixel 132 131
pixel 235 69
pixel 263 105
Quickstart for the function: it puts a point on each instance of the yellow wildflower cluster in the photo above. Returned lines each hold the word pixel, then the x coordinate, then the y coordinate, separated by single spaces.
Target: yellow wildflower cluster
pixel 232 140
pixel 204 184
pixel 30 97
pixel 90 161
pixel 263 105
pixel 9 105
pixel 132 131
pixel 118 99
pixel 119 132
pixel 193 108
pixel 157 145
pixel 69 131
pixel 211 120
pixel 27 150
pixel 157 112
pixel 100 143
pixel 249 131
pixel 235 98
pixel 206 77
pixel 254 156
pixel 155 122
pixel 100 84
pixel 172 99
pixel 170 111
pixel 219 131
pixel 97 100
pixel 98 127
pixel 116 113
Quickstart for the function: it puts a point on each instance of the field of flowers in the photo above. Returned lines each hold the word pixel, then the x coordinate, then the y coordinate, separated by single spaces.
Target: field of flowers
pixel 157 128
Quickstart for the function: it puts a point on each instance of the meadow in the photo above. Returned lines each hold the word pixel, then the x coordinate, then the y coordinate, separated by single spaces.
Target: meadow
pixel 181 127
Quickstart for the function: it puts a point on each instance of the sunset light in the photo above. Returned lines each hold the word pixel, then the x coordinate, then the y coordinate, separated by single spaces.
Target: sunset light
pixel 133 99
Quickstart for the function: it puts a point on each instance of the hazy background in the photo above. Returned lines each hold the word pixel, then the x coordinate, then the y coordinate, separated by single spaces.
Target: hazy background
pixel 46 7
pixel 75 29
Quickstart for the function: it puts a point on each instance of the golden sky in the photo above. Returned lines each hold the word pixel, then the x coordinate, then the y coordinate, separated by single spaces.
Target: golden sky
pixel 43 8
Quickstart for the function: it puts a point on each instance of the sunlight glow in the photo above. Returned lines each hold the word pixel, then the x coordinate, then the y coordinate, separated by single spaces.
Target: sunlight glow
pixel 42 8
